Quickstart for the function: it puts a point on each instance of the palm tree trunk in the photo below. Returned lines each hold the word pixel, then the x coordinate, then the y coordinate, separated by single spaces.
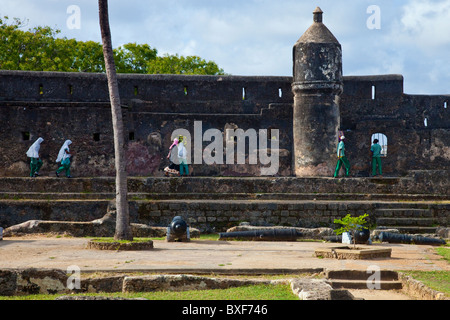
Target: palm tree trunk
pixel 123 229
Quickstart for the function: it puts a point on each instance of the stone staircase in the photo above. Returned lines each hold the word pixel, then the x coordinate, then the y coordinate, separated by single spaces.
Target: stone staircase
pixel 364 280
pixel 217 203
pixel 406 220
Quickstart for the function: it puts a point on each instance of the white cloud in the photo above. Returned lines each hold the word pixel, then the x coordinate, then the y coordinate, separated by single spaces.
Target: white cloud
pixel 255 37
pixel 426 24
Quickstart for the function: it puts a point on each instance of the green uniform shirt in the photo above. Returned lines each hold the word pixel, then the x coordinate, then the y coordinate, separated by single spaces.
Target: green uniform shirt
pixel 376 149
pixel 342 148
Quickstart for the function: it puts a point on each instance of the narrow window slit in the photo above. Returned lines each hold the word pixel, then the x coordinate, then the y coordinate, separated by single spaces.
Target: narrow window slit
pixel 26 136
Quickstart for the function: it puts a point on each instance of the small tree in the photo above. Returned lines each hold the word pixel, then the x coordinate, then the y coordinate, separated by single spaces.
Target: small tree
pixel 352 224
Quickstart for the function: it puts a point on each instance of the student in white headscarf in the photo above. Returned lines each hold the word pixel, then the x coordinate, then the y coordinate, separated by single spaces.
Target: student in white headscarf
pixel 64 157
pixel 33 153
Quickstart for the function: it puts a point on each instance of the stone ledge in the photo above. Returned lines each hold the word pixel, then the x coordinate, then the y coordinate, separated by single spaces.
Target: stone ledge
pixel 52 281
pixel 120 246
pixel 318 289
pixel 183 283
pixel 417 289
pixel 32 281
pixel 345 252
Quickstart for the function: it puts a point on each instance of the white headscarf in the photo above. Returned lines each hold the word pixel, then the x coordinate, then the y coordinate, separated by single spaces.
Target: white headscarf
pixel 182 152
pixel 62 155
pixel 33 151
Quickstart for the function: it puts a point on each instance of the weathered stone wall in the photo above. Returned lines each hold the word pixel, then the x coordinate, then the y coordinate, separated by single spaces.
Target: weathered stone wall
pixel 60 106
pixel 217 216
pixel 412 145
pixel 216 204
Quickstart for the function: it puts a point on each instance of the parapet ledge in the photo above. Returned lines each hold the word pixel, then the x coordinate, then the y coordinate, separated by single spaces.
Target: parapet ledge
pixel 385 77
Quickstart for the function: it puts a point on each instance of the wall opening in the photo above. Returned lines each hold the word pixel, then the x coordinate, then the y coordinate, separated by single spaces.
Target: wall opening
pixel 41 89
pixel 280 93
pixel 382 141
pixel 425 122
pixel 185 90
pixel 136 90
pixel 70 89
pixel 96 136
pixel 445 104
pixel 244 93
pixel 26 136
pixel 374 92
pixel 131 136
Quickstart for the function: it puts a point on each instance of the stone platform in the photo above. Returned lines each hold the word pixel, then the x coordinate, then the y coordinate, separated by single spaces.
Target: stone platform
pixel 417 203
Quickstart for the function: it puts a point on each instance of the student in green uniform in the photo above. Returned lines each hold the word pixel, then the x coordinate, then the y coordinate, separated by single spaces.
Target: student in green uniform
pixel 342 159
pixel 376 158
pixel 34 155
pixel 182 156
pixel 64 157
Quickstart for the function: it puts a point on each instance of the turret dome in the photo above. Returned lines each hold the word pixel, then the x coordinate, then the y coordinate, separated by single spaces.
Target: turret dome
pixel 318 32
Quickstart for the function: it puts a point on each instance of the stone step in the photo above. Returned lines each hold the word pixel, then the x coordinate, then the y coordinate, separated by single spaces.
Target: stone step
pixel 359 284
pixel 386 275
pixel 404 211
pixel 362 188
pixel 388 200
pixel 363 279
pixel 412 229
pixel 55 196
pixel 287 196
pixel 406 222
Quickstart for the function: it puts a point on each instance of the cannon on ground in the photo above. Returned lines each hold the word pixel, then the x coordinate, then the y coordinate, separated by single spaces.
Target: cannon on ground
pixel 262 235
pixel 178 230
pixel 409 239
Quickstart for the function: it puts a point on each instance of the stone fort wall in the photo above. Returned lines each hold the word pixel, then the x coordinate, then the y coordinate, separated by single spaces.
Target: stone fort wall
pixel 59 106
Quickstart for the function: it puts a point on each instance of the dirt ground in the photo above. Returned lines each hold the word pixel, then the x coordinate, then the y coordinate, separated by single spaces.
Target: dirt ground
pixel 208 256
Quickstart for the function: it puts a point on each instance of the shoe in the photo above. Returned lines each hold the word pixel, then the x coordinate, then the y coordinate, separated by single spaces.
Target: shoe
pixel 36 174
pixel 57 174
pixel 69 176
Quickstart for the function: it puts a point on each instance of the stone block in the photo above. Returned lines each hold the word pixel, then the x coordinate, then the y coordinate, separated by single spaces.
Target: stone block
pixel 284 213
pixel 8 283
pixel 180 283
pixel 318 289
pixel 41 281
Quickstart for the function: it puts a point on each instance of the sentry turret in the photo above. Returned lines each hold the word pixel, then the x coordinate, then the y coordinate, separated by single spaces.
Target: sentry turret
pixel 318 82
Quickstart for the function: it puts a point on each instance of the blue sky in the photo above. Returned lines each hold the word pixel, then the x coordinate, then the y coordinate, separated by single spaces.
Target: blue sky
pixel 255 37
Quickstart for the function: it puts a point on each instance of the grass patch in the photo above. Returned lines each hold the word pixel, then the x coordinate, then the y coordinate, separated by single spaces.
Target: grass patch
pixel 112 240
pixel 212 236
pixel 444 252
pixel 256 292
pixel 436 280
